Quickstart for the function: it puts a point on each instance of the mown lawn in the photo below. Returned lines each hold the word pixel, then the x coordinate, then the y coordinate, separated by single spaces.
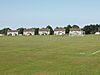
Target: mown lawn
pixel 50 55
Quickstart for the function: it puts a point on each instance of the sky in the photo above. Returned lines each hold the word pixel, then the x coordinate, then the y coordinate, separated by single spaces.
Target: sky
pixel 40 13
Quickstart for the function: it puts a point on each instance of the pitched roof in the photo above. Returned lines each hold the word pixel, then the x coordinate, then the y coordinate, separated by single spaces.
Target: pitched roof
pixel 44 29
pixel 12 31
pixel 75 29
pixel 26 30
pixel 59 29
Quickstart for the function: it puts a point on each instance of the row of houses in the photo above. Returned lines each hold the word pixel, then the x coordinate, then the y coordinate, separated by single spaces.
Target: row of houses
pixel 45 31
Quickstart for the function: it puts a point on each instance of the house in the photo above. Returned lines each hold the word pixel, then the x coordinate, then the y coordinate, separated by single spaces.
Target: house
pixel 59 31
pixel 97 33
pixel 44 31
pixel 76 32
pixel 1 34
pixel 28 32
pixel 12 33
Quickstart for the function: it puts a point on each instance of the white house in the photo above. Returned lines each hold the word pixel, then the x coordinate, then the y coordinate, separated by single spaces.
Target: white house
pixel 59 31
pixel 76 32
pixel 12 33
pixel 44 31
pixel 1 34
pixel 28 32
pixel 97 33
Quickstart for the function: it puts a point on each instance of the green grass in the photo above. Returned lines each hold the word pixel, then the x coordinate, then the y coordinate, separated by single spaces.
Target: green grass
pixel 49 55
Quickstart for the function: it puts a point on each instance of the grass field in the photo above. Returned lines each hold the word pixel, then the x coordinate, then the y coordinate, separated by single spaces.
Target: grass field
pixel 50 55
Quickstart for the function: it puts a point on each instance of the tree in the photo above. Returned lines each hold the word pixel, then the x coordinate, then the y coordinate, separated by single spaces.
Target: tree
pixel 91 29
pixel 75 26
pixel 4 31
pixel 57 27
pixel 20 30
pixel 36 31
pixel 87 29
pixel 0 31
pixel 68 29
pixel 51 29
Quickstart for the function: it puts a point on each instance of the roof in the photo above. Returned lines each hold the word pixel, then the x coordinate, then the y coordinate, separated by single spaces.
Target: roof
pixel 12 31
pixel 75 29
pixel 59 29
pixel 29 30
pixel 44 29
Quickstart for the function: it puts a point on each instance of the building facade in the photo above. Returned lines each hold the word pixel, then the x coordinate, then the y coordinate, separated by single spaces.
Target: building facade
pixel 1 34
pixel 12 33
pixel 44 31
pixel 76 32
pixel 59 31
pixel 97 33
pixel 29 32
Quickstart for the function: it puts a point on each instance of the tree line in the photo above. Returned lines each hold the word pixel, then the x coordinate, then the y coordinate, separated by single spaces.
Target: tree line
pixel 89 29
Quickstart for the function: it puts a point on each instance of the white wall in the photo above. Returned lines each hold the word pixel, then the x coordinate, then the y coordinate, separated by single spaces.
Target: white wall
pixel 44 32
pixel 97 33
pixel 1 34
pixel 59 32
pixel 12 33
pixel 27 33
pixel 76 33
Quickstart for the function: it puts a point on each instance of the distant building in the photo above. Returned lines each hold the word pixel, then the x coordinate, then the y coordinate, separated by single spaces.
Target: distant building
pixel 29 32
pixel 1 34
pixel 44 31
pixel 59 31
pixel 76 32
pixel 12 33
pixel 97 33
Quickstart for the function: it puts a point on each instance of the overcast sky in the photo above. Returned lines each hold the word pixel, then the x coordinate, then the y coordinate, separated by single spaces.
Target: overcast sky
pixel 40 13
